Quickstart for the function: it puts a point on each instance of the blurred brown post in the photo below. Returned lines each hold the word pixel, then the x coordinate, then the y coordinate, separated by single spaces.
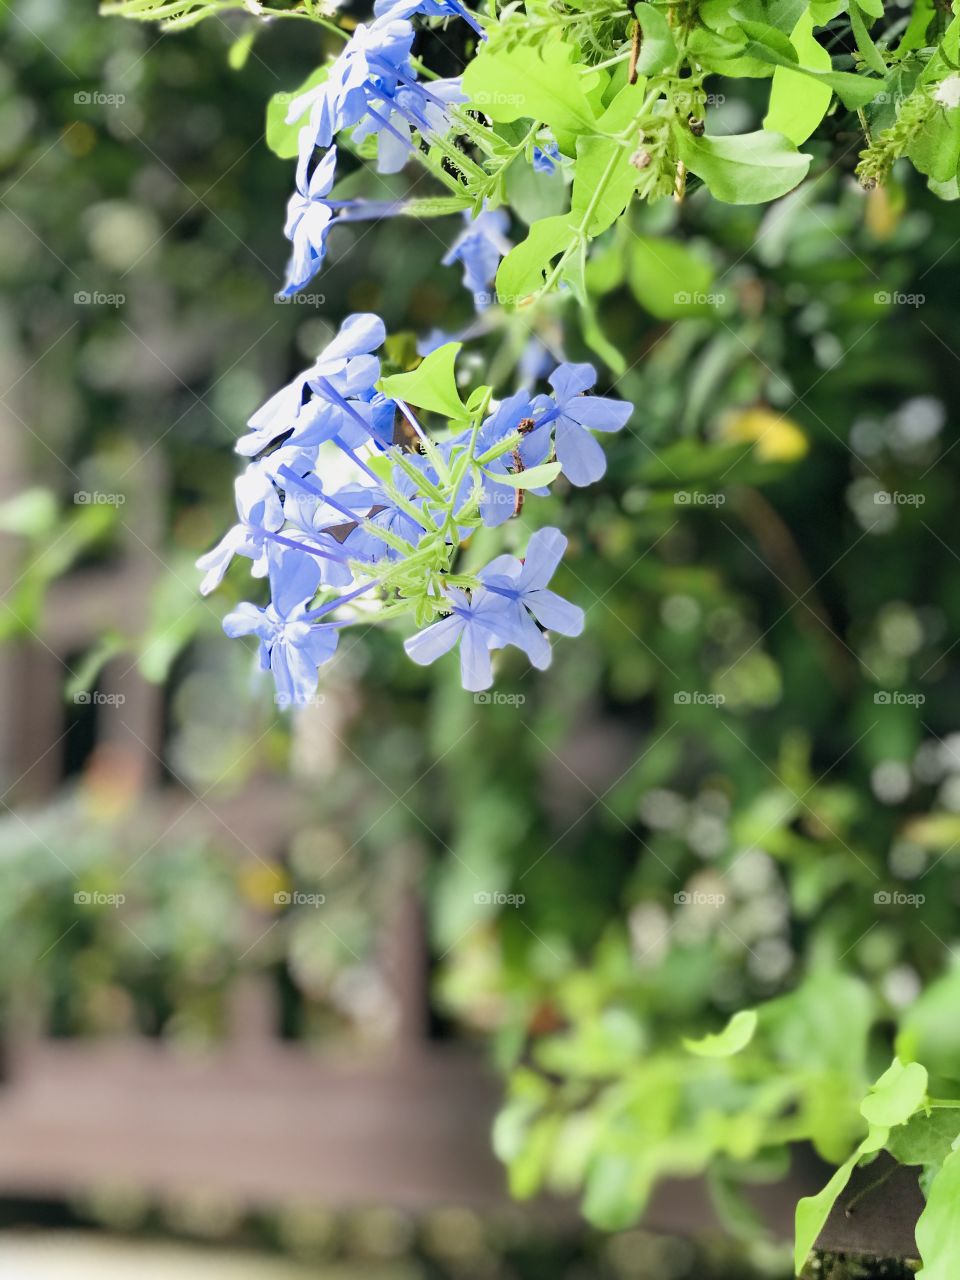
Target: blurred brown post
pixel 406 967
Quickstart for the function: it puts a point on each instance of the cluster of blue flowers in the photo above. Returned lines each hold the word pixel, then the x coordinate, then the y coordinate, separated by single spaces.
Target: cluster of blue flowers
pixel 372 88
pixel 331 509
pixel 350 507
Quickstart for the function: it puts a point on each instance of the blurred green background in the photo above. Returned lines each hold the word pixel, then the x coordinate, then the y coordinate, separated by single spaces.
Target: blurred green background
pixel 696 807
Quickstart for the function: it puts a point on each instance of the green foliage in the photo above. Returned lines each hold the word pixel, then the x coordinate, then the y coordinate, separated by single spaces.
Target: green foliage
pixel 938 1230
pixel 432 385
pixel 748 168
pixel 735 1036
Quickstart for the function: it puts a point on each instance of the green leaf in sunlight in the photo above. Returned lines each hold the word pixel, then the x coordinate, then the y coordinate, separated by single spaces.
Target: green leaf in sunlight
pixel 736 1035
pixel 432 385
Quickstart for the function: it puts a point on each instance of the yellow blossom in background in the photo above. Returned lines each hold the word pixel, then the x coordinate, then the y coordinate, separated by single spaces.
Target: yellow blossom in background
pixel 776 438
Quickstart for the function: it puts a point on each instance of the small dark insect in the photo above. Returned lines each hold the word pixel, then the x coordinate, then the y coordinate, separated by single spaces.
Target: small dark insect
pixel 525 425
pixel 696 126
pixel 517 468
pixel 404 435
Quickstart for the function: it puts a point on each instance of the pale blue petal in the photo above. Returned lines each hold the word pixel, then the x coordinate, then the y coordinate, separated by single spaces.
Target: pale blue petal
pixel 434 641
pixel 555 613
pixel 476 669
pixel 598 412
pixel 248 620
pixel 544 552
pixel 569 380
pixel 359 334
pixel 581 458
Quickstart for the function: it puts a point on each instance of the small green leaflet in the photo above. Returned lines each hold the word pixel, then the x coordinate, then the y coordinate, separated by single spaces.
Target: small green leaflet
pixel 241 49
pixel 938 1228
pixel 896 1095
pixel 745 168
pixel 282 137
pixel 736 1035
pixel 432 385
pixel 545 474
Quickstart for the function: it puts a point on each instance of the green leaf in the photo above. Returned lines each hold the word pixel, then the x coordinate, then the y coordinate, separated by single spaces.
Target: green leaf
pixel 617 1189
pixel 746 168
pixel 915 36
pixel 930 1029
pixel 782 15
pixel 813 1211
pixel 533 195
pixel 597 340
pixel 824 11
pixel 735 1036
pixel 868 50
pixel 604 177
pixel 522 271
pixel 85 672
pixel 938 1228
pixel 240 50
pixel 797 106
pixel 896 1095
pixel 935 151
pixel 282 137
pixel 925 1139
pixel 432 385
pixel 770 46
pixel 658 49
pixel 669 279
pixel 543 83
pixel 533 478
